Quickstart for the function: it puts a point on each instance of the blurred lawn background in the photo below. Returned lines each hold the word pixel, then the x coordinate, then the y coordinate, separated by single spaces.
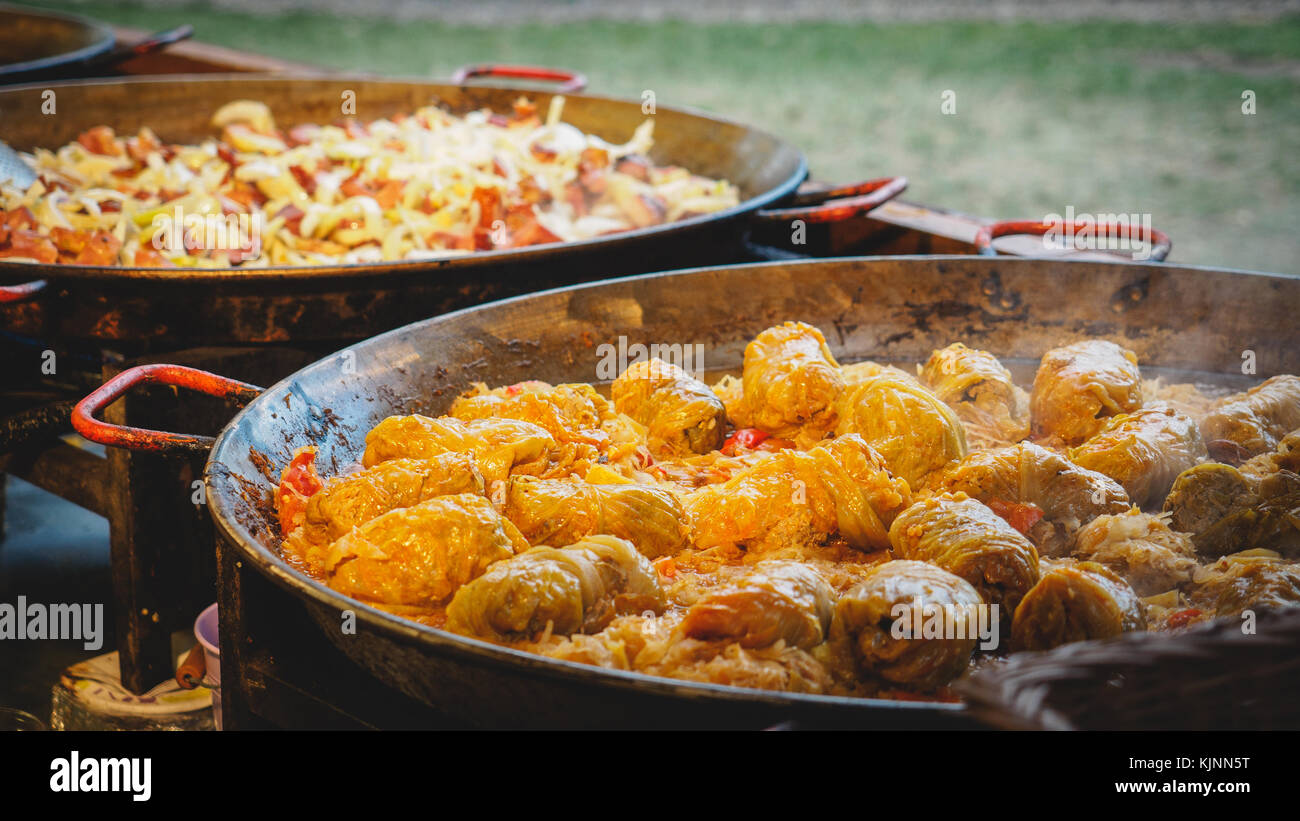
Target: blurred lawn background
pixel 1106 116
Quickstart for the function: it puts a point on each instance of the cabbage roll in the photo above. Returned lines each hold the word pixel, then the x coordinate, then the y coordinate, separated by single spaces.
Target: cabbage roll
pixel 1075 602
pixel 563 511
pixel 418 556
pixel 1144 451
pixel 578 588
pixel 1079 385
pixel 790 383
pixel 863 626
pixel 1238 583
pixel 1068 495
pixel 790 497
pixel 499 446
pixel 964 537
pixel 1247 424
pixel 1140 548
pixel 775 601
pixel 569 413
pixel 977 386
pixel 348 501
pixel 906 424
pixel 680 413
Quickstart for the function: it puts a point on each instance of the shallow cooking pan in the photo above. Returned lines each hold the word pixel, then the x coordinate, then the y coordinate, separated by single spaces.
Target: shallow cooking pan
pixel 342 302
pixel 1183 322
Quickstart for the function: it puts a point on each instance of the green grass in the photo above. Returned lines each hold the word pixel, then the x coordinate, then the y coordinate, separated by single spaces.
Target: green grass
pixel 1107 117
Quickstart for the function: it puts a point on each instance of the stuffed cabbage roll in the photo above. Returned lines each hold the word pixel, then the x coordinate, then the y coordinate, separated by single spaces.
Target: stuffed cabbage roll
pixel 964 537
pixel 1067 495
pixel 1144 451
pixel 790 497
pixel 1247 424
pixel 774 601
pixel 680 413
pixel 1243 582
pixel 1140 548
pixel 499 446
pixel 790 383
pixel 1204 494
pixel 569 413
pixel 864 632
pixel 859 372
pixel 977 386
pixel 1075 602
pixel 348 501
pixel 563 511
pixel 418 556
pixel 906 424
pixel 1079 385
pixel 1272 522
pixel 577 588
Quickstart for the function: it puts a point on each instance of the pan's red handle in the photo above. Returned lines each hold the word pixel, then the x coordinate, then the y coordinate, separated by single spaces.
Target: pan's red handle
pixel 571 82
pixel 140 439
pixel 835 203
pixel 1158 240
pixel 16 293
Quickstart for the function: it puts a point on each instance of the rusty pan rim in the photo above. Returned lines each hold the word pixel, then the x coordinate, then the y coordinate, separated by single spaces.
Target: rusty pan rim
pixel 294 273
pixel 281 573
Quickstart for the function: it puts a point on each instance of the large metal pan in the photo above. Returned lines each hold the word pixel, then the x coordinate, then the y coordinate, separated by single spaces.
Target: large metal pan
pixel 342 302
pixel 44 45
pixel 1185 322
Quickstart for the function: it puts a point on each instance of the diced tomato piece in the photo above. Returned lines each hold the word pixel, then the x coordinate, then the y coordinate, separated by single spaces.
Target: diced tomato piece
pixel 101 140
pixel 745 438
pixel 666 567
pixel 1183 617
pixel 298 483
pixel 1022 517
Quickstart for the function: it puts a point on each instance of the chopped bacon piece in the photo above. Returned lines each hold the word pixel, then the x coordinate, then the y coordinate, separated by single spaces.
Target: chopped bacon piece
pixel 24 243
pixel 101 140
pixel 21 217
pixel 292 218
pixel 305 179
pixel 489 204
pixel 1022 517
pixel 521 222
pixel 298 483
pixel 142 145
pixel 355 130
pixel 69 240
pixel 634 166
pixel 390 193
pixel 149 258
pixel 576 198
pixel 101 249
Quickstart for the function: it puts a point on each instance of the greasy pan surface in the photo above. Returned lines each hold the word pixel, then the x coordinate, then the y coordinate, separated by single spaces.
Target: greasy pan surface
pixel 178 109
pixel 897 308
